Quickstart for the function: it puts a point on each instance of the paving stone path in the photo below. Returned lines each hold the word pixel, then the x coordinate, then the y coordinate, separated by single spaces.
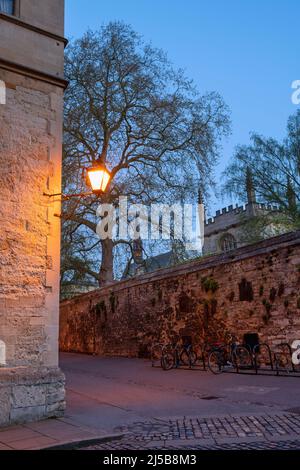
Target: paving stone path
pixel 264 431
pixel 127 445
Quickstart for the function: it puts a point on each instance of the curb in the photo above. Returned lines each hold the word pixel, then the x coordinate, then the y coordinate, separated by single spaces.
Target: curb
pixel 69 445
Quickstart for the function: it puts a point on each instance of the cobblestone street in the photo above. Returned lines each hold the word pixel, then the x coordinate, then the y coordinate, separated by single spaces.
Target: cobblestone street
pixel 217 427
pixel 131 445
pixel 146 408
pixel 222 432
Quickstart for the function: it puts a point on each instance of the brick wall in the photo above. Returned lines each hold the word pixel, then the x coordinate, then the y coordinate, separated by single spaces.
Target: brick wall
pixel 253 289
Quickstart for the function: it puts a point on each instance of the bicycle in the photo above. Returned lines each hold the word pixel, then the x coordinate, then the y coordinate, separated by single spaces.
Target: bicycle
pixel 156 353
pixel 175 354
pixel 283 359
pixel 224 356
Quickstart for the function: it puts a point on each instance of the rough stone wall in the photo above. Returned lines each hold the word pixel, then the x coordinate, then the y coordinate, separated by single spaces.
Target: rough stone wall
pixel 254 289
pixel 30 164
pixel 25 394
pixel 29 235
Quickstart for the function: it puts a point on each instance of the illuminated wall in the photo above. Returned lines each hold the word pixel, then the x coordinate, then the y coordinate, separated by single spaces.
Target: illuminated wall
pixel 31 68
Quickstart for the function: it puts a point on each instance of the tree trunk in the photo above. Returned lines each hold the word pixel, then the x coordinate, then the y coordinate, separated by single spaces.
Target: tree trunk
pixel 106 273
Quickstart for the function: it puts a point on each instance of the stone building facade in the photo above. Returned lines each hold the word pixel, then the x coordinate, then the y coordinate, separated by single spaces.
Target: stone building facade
pixel 253 289
pixel 32 77
pixel 225 231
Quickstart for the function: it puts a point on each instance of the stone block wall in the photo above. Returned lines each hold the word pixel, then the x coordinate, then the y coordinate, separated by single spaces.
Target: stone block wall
pixel 29 395
pixel 254 289
pixel 30 164
pixel 30 134
pixel 31 68
pixel 231 220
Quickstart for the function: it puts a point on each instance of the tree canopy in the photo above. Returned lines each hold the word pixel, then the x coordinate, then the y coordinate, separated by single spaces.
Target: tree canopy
pixel 127 107
pixel 275 172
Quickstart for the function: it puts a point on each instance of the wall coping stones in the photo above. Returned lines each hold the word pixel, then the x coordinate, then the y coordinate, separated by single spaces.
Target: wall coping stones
pixel 30 375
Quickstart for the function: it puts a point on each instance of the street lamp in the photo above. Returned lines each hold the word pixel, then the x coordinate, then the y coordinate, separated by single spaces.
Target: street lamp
pixel 97 177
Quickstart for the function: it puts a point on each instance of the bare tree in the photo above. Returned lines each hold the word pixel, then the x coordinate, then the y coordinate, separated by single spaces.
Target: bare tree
pixel 127 108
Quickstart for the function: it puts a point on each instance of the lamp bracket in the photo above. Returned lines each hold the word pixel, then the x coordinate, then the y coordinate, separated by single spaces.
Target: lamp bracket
pixel 65 197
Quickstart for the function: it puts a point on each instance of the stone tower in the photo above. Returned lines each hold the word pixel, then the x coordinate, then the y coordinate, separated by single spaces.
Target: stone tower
pixel 31 106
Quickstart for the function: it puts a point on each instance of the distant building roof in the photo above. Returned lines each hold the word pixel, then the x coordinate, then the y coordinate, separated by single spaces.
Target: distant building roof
pixel 163 260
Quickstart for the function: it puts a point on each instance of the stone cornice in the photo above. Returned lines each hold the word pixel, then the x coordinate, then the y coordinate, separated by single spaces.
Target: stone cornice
pixel 23 24
pixel 32 73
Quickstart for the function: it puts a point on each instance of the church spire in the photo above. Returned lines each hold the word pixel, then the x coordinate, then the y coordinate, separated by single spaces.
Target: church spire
pixel 201 201
pixel 251 197
pixel 200 196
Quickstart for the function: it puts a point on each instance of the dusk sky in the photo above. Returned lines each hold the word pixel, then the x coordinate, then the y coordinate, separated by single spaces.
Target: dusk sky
pixel 246 50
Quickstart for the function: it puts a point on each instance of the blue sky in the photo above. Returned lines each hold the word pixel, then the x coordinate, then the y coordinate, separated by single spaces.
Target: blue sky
pixel 248 50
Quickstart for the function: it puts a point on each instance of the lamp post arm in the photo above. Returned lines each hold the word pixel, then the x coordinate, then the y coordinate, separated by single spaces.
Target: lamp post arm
pixel 65 197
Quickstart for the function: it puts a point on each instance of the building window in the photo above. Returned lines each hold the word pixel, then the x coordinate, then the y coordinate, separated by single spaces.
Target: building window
pixel 228 242
pixel 7 6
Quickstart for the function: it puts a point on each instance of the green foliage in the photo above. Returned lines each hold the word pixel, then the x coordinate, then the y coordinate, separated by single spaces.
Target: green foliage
pixel 209 284
pixel 264 225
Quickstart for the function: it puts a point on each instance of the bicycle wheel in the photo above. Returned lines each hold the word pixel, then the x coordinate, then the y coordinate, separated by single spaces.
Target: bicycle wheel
pixel 188 357
pixel 156 352
pixel 167 361
pixel 282 363
pixel 242 357
pixel 215 362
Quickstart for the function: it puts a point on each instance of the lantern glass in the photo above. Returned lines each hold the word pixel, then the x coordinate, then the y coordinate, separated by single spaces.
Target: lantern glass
pixel 99 178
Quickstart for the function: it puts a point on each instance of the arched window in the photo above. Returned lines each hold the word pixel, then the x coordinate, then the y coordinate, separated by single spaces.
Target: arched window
pixel 2 354
pixel 227 242
pixel 7 6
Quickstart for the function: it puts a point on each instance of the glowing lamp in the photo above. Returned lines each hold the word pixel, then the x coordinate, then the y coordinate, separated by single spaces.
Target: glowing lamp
pixel 98 178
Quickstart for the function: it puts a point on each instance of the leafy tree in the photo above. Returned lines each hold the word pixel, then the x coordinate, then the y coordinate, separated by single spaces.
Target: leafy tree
pixel 127 108
pixel 274 170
